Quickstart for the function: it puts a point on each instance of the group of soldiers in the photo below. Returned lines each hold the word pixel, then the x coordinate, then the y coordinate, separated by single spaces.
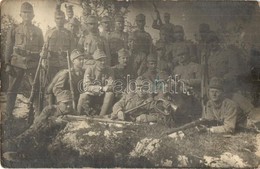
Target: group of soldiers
pixel 88 71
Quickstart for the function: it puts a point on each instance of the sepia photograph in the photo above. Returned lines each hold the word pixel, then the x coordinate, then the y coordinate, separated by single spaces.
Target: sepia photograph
pixel 130 84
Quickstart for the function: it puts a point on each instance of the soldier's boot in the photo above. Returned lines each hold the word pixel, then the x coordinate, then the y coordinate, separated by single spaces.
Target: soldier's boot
pixel 83 106
pixel 107 103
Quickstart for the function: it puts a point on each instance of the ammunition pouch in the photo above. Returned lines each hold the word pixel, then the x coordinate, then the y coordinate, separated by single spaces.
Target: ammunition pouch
pixel 25 59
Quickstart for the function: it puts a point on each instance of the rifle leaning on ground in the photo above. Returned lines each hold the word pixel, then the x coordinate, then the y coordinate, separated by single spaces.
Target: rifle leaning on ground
pixel 69 118
pixel 70 81
pixel 33 92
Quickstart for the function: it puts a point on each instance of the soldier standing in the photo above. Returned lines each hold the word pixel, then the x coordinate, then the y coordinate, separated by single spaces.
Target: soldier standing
pixel 106 26
pixel 180 42
pixel 118 39
pixel 167 26
pixel 73 26
pixel 23 47
pixel 93 41
pixel 58 41
pixel 97 85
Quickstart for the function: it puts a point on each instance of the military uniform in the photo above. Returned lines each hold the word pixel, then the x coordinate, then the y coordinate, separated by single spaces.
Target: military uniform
pixel 34 141
pixel 22 51
pixel 142 39
pixel 57 42
pixel 94 80
pixel 117 40
pixel 93 41
pixel 225 112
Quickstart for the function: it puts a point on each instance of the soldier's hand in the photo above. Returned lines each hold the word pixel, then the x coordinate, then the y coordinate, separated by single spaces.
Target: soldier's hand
pixel 121 115
pixel 9 69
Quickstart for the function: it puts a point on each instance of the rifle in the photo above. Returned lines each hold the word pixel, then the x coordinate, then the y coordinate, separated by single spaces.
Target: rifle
pixel 130 111
pixel 158 13
pixel 70 81
pixel 204 79
pixel 69 118
pixel 32 94
pixel 192 124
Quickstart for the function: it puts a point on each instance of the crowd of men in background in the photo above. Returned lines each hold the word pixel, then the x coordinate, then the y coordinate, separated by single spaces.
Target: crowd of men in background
pixel 80 66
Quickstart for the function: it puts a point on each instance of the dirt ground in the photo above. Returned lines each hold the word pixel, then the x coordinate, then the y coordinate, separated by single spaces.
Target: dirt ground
pixel 94 144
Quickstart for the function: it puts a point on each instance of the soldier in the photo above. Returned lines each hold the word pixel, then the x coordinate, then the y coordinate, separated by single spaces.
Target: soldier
pixel 164 39
pixel 61 81
pixel 69 12
pixel 164 66
pixel 220 108
pixel 180 42
pixel 106 27
pixel 132 100
pixel 97 85
pixel 225 63
pixel 73 26
pixel 142 39
pixel 118 39
pixel 34 141
pixel 93 41
pixel 58 41
pixel 167 26
pixel 22 51
pixel 188 71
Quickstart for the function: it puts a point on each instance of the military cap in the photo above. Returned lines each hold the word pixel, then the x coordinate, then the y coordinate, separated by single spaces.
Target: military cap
pixel 140 17
pixel 204 27
pixel 91 19
pixel 178 28
pixel 26 6
pixel 105 19
pixel 64 96
pixel 119 19
pixel 123 52
pixel 98 54
pixel 151 58
pixel 69 8
pixel 216 83
pixel 166 14
pixel 74 21
pixel 59 14
pixel 75 54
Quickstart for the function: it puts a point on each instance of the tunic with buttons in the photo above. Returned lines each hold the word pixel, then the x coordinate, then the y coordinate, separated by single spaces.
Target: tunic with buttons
pixel 23 45
pixel 142 42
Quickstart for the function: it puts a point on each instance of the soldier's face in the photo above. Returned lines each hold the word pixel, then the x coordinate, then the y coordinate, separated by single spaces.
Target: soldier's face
pixel 152 66
pixel 215 94
pixel 66 107
pixel 119 26
pixel 163 35
pixel 140 24
pixel 123 60
pixel 78 62
pixel 101 63
pixel 167 19
pixel 73 28
pixel 27 16
pixel 106 26
pixel 182 57
pixel 59 21
pixel 92 27
pixel 70 14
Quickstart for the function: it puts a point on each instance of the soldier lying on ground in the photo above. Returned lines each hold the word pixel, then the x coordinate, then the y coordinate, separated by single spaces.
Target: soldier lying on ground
pixel 61 81
pixel 97 85
pixel 220 108
pixel 33 142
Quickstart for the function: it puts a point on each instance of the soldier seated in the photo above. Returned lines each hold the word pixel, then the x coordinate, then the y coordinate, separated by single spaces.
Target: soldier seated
pixel 97 85
pixel 135 106
pixel 62 80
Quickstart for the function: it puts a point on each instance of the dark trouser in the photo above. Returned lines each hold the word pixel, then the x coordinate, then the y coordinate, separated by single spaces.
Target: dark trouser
pixel 86 102
pixel 15 82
